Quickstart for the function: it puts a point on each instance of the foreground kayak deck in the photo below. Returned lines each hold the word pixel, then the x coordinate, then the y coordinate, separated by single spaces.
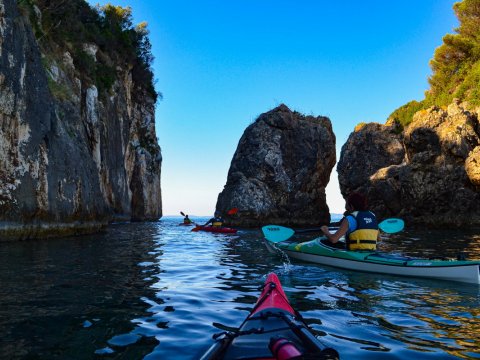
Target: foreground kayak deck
pixel 215 229
pixel 272 318
pixel 371 261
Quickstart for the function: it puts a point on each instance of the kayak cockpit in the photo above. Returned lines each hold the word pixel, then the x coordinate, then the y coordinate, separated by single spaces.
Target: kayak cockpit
pixel 258 335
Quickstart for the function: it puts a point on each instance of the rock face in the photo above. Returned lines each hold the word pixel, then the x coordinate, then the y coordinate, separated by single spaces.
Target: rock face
pixel 69 163
pixel 427 174
pixel 279 171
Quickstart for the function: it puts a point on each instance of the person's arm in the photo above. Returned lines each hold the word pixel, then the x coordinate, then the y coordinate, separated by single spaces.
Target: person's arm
pixel 342 230
pixel 208 222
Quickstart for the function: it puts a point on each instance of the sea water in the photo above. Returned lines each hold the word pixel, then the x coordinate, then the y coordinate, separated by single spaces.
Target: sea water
pixel 160 291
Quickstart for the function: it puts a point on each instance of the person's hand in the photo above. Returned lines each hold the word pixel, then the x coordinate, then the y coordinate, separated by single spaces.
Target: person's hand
pixel 324 229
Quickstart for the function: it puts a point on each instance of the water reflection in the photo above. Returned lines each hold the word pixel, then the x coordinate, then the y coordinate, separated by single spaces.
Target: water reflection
pixel 393 316
pixel 435 243
pixel 160 291
pixel 68 297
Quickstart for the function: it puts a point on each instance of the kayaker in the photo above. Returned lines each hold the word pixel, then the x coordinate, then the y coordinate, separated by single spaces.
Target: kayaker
pixel 359 226
pixel 186 220
pixel 216 221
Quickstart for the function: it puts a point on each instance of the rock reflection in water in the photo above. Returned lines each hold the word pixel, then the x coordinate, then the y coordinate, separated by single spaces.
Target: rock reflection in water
pixel 160 291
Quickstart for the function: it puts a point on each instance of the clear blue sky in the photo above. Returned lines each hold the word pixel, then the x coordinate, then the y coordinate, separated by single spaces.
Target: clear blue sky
pixel 220 64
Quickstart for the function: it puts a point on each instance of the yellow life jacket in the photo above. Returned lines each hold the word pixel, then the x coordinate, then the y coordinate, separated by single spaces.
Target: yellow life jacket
pixel 364 237
pixel 217 222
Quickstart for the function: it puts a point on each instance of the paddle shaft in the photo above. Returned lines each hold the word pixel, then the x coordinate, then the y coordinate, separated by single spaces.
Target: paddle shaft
pixel 389 226
pixel 332 226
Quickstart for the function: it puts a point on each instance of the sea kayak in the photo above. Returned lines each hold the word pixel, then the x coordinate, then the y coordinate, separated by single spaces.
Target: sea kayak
pixel 215 229
pixel 373 261
pixel 184 224
pixel 272 330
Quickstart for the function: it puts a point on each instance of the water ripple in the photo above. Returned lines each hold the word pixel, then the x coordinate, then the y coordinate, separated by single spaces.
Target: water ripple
pixel 160 291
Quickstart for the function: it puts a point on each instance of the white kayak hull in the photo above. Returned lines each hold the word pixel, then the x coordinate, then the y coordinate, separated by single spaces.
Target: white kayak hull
pixel 315 252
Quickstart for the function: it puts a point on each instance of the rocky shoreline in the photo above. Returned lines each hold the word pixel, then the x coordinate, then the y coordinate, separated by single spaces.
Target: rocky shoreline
pixel 72 159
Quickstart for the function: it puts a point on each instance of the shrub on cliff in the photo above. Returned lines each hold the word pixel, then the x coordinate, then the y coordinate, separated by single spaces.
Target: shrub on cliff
pixel 404 114
pixel 68 25
pixel 455 66
pixel 456 63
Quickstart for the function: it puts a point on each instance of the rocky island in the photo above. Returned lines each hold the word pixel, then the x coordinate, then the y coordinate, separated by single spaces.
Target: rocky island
pixel 280 170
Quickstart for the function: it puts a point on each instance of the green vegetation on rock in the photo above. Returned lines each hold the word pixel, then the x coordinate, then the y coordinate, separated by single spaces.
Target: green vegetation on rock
pixel 455 66
pixel 72 25
pixel 456 63
pixel 404 114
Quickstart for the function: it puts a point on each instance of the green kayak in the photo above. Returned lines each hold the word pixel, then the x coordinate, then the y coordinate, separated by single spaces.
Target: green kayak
pixel 316 251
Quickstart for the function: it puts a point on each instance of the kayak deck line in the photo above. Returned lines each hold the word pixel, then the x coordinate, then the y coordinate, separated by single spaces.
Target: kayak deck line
pixel 396 260
pixel 272 330
pixel 373 261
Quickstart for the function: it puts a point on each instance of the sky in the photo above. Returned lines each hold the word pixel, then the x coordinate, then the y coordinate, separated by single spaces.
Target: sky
pixel 220 64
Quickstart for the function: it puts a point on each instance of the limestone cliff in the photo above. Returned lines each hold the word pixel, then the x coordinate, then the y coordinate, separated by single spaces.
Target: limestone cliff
pixel 71 158
pixel 279 171
pixel 424 164
pixel 429 173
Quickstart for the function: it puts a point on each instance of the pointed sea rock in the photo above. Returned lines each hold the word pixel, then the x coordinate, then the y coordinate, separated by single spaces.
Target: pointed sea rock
pixel 280 170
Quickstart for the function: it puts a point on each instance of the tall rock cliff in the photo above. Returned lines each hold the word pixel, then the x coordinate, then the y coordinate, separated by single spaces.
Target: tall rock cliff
pixel 424 164
pixel 71 158
pixel 279 171
pixel 428 174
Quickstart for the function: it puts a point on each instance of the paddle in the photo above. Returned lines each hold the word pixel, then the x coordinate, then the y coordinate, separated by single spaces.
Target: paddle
pixel 301 231
pixel 333 225
pixel 277 233
pixel 181 212
pixel 391 226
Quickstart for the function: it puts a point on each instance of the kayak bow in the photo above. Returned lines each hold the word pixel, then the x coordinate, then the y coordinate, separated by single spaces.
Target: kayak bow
pixel 272 330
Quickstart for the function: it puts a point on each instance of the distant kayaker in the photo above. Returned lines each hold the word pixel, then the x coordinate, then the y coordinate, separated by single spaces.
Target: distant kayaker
pixel 359 226
pixel 216 221
pixel 186 220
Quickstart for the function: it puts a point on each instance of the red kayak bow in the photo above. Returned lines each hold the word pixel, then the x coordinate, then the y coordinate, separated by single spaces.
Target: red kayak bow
pixel 272 331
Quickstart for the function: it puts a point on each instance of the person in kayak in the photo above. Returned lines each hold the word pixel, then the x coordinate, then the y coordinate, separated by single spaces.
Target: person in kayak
pixel 359 226
pixel 186 220
pixel 216 221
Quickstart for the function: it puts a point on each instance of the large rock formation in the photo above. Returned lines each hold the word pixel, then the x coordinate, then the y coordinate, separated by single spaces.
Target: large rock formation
pixel 70 161
pixel 427 174
pixel 279 171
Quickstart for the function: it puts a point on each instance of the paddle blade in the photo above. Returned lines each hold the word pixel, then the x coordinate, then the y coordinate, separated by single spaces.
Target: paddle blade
pixel 232 211
pixel 196 228
pixel 277 233
pixel 391 226
pixel 181 212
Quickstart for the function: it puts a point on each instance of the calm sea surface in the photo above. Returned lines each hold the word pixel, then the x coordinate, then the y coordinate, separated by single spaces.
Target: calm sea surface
pixel 159 291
